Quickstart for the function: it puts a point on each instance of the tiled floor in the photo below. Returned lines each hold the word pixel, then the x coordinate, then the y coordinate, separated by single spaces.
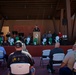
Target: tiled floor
pixel 39 70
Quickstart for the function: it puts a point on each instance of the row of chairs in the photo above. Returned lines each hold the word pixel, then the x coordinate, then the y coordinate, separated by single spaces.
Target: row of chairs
pixel 45 58
pixel 56 57
pixel 24 68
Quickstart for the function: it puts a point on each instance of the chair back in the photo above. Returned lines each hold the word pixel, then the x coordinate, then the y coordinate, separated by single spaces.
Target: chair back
pixel 1 54
pixel 69 50
pixel 45 57
pixel 58 56
pixel 20 68
pixel 46 52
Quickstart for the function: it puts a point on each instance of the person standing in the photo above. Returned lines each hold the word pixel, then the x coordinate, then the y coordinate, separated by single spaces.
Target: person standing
pixel 36 28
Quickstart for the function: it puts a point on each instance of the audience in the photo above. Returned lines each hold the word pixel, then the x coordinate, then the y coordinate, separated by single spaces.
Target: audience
pixel 20 56
pixel 53 36
pixel 55 50
pixel 49 38
pixel 24 47
pixel 5 43
pixel 60 35
pixel 49 35
pixel 50 41
pixel 1 38
pixel 2 49
pixel 68 62
pixel 44 35
pixel 26 51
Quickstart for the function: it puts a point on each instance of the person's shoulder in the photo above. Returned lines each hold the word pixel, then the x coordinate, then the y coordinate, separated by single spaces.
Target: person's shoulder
pixel 59 48
pixel 26 53
pixel 1 47
pixel 70 53
pixel 11 54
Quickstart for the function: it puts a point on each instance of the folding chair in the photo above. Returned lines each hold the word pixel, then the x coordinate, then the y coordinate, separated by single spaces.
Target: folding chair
pixel 58 57
pixel 20 68
pixel 69 50
pixel 2 59
pixel 45 57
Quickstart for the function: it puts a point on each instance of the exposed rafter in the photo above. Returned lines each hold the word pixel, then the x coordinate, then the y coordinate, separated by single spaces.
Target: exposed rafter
pixel 20 9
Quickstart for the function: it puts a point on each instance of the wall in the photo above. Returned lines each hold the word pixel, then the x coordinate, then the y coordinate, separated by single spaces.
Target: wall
pixel 26 26
pixel 36 51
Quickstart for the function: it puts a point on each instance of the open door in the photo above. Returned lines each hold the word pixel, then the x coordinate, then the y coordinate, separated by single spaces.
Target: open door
pixel 5 29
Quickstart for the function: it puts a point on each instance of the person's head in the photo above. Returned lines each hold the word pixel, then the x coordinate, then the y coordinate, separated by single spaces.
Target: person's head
pixel 59 32
pixel 18 46
pixel 49 31
pixel 74 47
pixel 36 26
pixel 57 45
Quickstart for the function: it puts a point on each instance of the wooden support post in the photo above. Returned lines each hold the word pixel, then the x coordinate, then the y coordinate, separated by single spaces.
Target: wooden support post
pixel 68 9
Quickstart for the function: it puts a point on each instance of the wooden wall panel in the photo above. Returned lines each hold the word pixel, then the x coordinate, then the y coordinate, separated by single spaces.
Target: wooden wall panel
pixel 27 29
pixel 36 51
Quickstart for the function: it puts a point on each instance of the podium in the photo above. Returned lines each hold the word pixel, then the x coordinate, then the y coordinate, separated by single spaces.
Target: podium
pixel 38 36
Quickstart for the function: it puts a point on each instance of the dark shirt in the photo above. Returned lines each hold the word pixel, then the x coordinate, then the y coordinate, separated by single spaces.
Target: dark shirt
pixel 55 50
pixel 19 57
pixel 36 29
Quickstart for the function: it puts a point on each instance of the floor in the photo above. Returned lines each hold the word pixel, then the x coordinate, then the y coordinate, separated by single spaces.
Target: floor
pixel 39 69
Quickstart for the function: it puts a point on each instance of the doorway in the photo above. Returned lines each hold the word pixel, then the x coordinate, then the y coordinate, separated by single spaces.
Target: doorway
pixel 5 30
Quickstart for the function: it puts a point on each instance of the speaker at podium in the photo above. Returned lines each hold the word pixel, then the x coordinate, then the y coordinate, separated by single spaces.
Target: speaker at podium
pixel 37 37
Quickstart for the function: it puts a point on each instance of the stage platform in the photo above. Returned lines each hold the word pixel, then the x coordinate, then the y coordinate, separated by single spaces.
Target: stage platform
pixel 36 51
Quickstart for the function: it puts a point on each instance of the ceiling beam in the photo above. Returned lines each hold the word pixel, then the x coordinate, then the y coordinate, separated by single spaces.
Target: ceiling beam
pixel 54 12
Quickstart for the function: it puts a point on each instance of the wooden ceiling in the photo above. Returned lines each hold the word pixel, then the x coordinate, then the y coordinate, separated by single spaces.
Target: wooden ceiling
pixel 33 9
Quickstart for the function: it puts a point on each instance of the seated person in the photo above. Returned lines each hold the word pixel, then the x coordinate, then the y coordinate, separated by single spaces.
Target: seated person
pixel 5 43
pixel 20 56
pixel 49 38
pixel 1 41
pixel 2 50
pixel 44 38
pixel 68 63
pixel 1 38
pixel 44 35
pixel 53 37
pixel 50 41
pixel 60 35
pixel 55 50
pixel 49 35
